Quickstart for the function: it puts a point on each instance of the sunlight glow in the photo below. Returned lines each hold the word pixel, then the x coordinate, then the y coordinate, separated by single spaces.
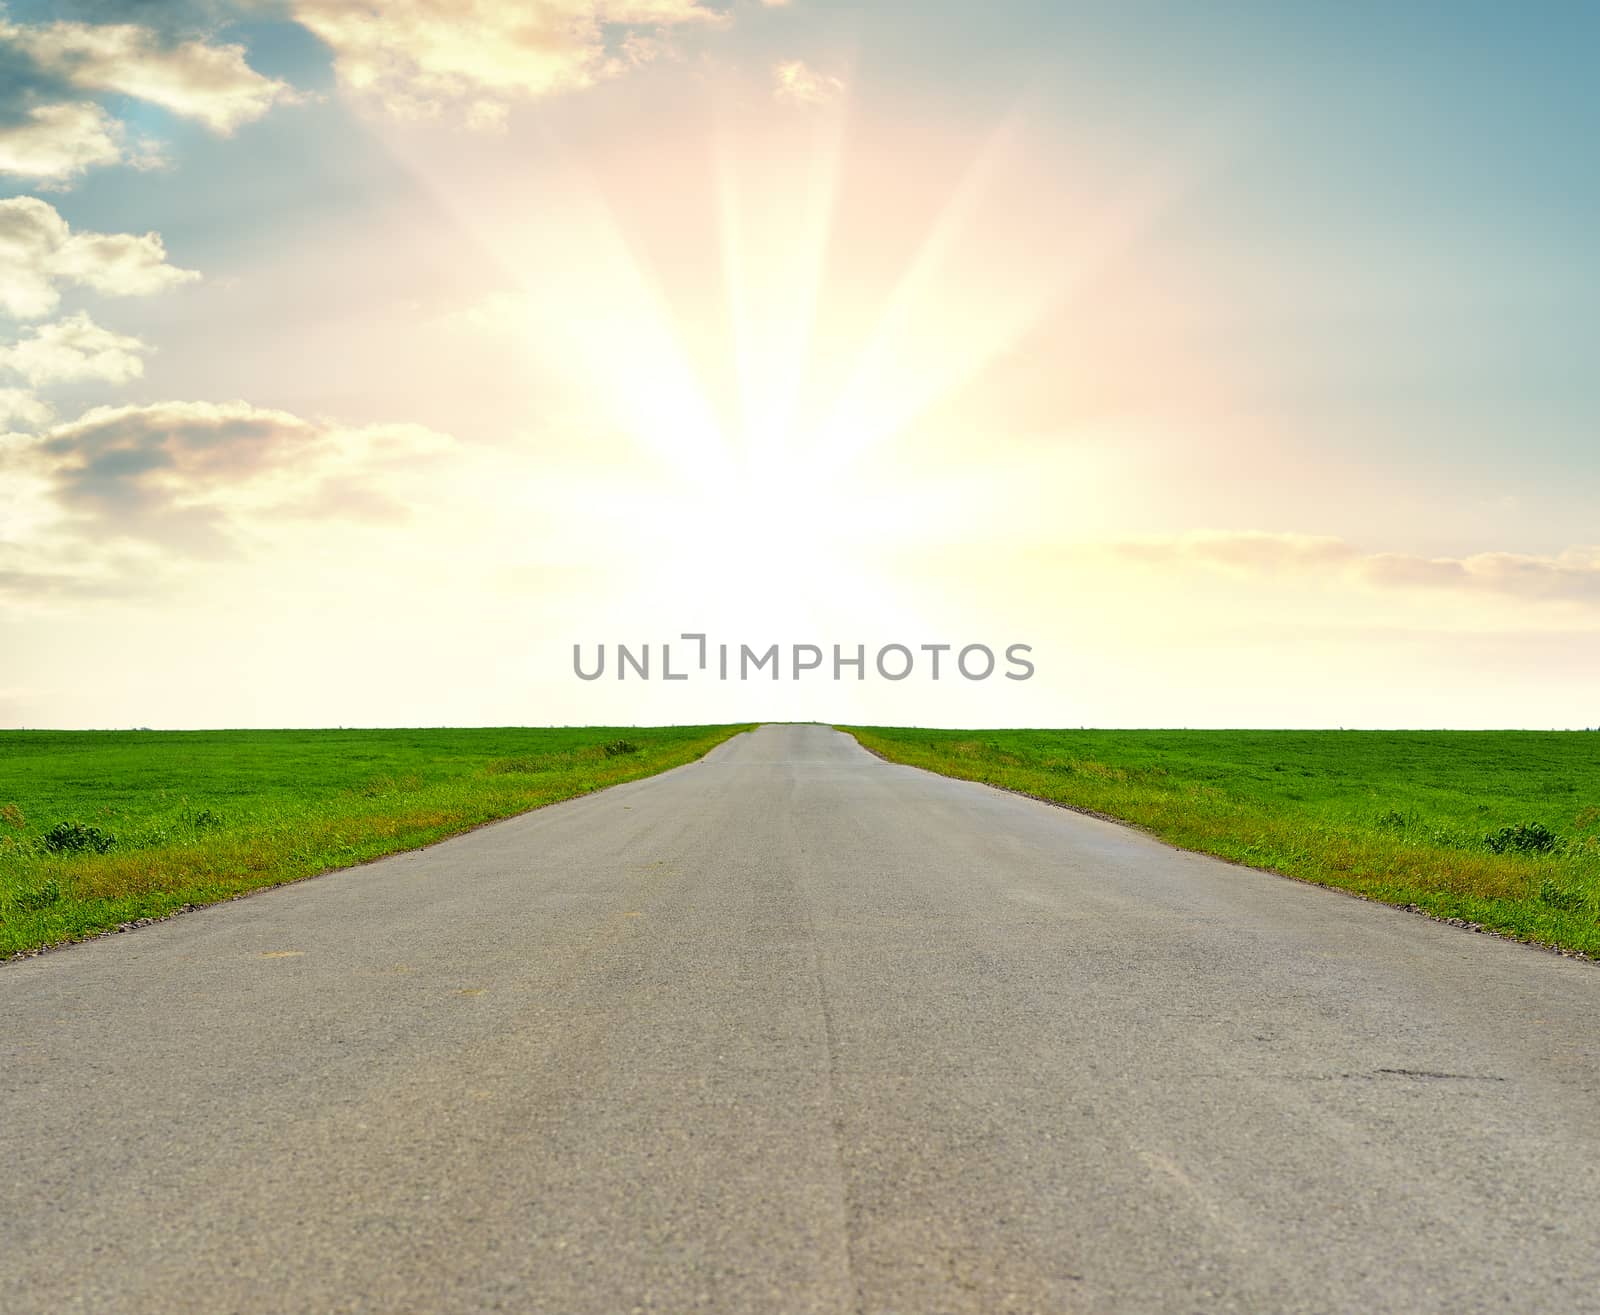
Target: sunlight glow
pixel 768 414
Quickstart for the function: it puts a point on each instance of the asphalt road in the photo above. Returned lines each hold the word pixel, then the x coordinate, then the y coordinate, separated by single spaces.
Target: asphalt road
pixel 792 1029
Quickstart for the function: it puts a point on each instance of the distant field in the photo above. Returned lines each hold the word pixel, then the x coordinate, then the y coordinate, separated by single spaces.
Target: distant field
pixel 99 828
pixel 1500 828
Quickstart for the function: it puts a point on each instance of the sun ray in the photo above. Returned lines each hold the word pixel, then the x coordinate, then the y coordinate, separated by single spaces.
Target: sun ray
pixel 751 506
pixel 774 283
pixel 590 299
pixel 918 357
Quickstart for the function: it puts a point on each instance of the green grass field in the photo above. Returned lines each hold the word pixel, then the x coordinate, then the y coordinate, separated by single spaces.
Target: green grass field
pixel 194 817
pixel 1404 817
pixel 198 816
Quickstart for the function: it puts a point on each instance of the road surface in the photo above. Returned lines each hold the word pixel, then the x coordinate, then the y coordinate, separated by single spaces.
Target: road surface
pixel 791 1029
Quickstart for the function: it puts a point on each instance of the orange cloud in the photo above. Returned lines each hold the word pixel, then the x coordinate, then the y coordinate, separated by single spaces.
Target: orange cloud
pixel 1573 574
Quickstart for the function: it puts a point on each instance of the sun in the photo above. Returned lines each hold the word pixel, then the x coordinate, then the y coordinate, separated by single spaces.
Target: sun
pixel 758 411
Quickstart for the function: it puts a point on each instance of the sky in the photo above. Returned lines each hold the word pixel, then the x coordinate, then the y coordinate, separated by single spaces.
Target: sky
pixel 362 364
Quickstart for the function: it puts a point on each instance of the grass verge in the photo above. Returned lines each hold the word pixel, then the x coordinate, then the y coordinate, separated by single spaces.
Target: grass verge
pixel 1495 828
pixel 103 828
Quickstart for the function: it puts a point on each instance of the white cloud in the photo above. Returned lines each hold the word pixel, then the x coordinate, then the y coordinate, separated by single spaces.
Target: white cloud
pixel 415 57
pixel 796 84
pixel 638 48
pixel 1246 550
pixel 38 251
pixel 71 350
pixel 20 407
pixel 194 477
pixel 55 143
pixel 497 315
pixel 1573 574
pixel 656 13
pixel 487 115
pixel 211 83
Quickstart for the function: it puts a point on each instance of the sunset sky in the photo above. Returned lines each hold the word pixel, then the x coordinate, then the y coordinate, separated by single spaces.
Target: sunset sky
pixel 1243 359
